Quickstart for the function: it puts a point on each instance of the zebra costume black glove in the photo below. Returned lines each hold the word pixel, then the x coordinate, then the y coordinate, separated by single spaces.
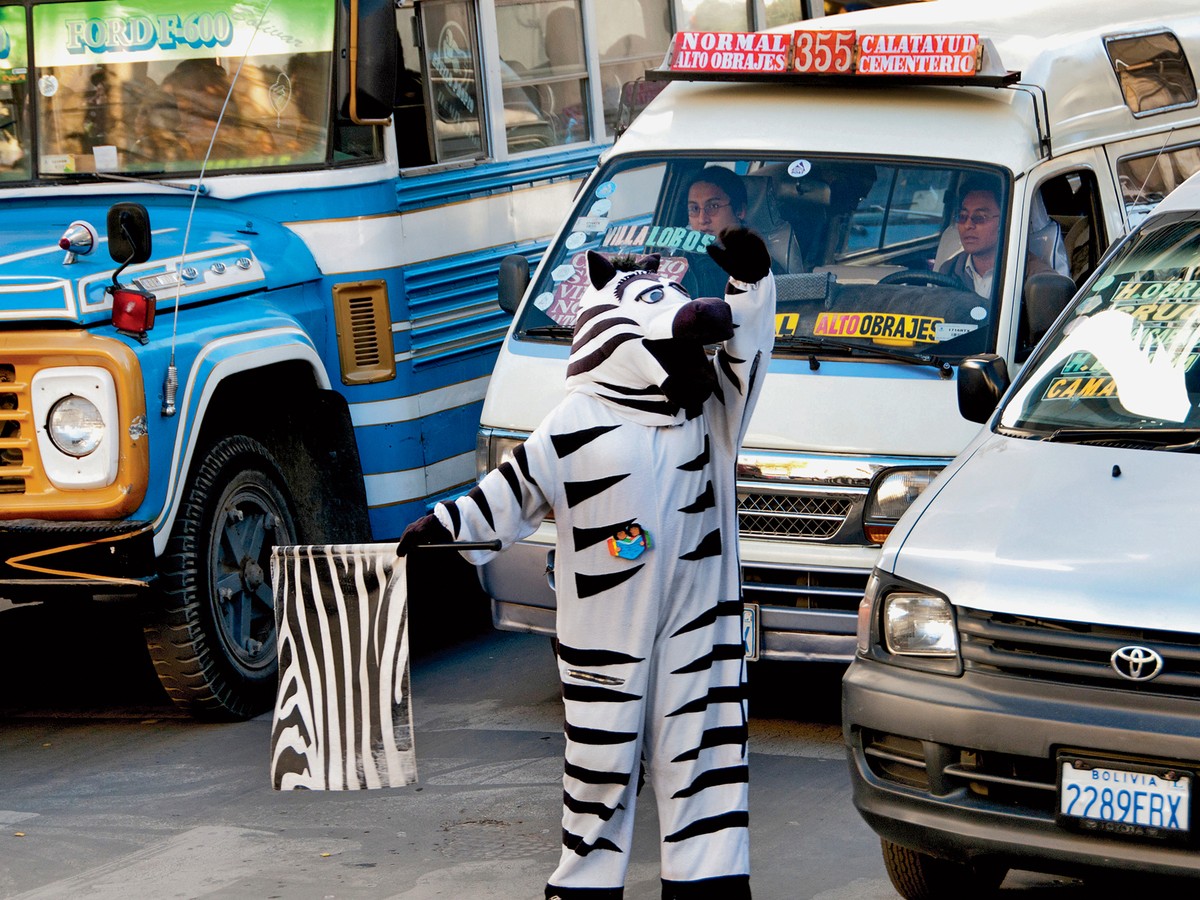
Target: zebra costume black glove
pixel 426 530
pixel 742 254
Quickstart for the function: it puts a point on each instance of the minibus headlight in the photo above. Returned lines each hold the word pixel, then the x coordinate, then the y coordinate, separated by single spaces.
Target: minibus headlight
pixel 893 492
pixel 495 447
pixel 75 426
pixel 919 625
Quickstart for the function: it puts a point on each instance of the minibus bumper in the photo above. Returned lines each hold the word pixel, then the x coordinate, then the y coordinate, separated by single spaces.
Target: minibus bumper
pixel 806 597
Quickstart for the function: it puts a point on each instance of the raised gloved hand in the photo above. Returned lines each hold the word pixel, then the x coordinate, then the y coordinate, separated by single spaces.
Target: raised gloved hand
pixel 426 530
pixel 742 254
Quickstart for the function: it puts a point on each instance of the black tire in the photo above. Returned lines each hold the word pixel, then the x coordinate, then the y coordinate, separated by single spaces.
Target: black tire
pixel 919 876
pixel 211 633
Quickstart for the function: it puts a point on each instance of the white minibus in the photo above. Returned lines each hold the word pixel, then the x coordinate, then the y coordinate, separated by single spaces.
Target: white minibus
pixel 933 180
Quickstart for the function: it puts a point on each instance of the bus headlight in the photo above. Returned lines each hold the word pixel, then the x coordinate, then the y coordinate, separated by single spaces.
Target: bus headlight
pixel 75 408
pixel 919 625
pixel 75 426
pixel 893 492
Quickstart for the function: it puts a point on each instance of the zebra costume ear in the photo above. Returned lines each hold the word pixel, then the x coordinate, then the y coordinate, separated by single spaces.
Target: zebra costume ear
pixel 649 263
pixel 600 270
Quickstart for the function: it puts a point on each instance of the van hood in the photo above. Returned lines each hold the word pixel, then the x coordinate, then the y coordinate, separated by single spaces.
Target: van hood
pixel 37 285
pixel 1061 531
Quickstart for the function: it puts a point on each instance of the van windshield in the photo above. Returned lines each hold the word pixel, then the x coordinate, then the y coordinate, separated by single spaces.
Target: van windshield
pixel 869 255
pixel 137 88
pixel 1125 359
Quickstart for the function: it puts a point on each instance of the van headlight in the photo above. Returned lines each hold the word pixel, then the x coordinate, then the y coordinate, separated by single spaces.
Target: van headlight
pixel 891 495
pixel 493 447
pixel 75 410
pixel 902 623
pixel 919 625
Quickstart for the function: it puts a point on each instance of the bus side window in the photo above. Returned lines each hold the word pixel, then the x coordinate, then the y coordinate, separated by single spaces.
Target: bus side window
pixel 438 111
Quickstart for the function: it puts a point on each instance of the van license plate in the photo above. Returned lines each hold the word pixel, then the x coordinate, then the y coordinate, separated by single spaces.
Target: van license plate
pixel 1135 800
pixel 750 630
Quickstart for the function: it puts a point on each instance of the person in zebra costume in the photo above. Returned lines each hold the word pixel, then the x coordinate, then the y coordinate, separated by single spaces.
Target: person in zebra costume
pixel 638 465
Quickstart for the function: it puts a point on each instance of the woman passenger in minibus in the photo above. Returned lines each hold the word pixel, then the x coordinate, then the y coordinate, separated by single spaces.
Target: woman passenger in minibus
pixel 716 200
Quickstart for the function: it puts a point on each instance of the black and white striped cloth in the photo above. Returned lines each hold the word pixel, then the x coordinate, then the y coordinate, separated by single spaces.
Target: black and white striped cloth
pixel 343 715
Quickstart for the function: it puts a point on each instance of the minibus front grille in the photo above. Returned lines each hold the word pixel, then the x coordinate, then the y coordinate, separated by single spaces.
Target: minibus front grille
pixel 16 431
pixel 798 587
pixel 790 515
pixel 1075 653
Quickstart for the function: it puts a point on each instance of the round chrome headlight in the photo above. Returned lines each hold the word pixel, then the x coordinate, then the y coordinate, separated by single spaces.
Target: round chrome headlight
pixel 75 425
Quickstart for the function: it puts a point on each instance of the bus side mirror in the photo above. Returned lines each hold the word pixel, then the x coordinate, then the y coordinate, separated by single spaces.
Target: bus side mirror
pixel 514 279
pixel 1046 296
pixel 369 62
pixel 128 227
pixel 982 381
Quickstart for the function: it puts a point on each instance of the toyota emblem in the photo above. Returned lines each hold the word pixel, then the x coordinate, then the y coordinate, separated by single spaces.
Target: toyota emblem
pixel 1136 663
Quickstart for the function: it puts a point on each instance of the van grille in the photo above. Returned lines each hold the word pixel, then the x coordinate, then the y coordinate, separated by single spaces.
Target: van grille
pixel 790 515
pixel 16 431
pixel 1075 653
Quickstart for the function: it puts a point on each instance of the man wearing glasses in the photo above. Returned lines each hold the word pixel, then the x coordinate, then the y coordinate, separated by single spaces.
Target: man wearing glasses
pixel 979 232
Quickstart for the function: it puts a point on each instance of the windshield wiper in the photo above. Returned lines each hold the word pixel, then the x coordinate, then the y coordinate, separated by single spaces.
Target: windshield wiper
pixel 178 185
pixel 1185 439
pixel 550 331
pixel 802 342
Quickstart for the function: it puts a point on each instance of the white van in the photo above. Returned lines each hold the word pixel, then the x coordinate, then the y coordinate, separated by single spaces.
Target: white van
pixel 1073 118
pixel 1028 670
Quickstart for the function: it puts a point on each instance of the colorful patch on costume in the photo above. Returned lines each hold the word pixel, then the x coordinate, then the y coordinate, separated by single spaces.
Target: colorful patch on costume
pixel 630 542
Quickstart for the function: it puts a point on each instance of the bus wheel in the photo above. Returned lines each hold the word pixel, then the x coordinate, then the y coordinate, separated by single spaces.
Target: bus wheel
pixel 211 632
pixel 919 876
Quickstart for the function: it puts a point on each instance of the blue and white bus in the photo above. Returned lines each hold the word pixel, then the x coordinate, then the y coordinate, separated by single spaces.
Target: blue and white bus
pixel 248 261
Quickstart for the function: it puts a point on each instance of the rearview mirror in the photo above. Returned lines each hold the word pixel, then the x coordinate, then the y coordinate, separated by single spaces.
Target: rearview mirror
pixel 982 381
pixel 514 279
pixel 128 233
pixel 369 61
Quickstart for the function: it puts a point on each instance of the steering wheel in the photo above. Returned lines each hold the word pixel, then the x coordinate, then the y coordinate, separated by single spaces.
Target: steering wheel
pixel 920 276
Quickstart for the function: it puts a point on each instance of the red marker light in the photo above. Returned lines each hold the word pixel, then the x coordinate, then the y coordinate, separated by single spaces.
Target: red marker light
pixel 132 310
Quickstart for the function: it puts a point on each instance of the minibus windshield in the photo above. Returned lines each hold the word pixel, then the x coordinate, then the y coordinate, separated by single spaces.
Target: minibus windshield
pixel 869 255
pixel 137 88
pixel 1125 357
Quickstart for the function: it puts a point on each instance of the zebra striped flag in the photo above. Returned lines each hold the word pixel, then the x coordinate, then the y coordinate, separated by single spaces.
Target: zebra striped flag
pixel 343 719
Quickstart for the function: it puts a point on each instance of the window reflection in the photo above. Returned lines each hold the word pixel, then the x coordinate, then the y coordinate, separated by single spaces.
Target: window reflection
pixel 543 73
pixel 716 15
pixel 633 36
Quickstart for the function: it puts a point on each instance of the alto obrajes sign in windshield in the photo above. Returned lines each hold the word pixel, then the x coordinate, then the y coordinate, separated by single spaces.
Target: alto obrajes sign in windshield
pixel 72 34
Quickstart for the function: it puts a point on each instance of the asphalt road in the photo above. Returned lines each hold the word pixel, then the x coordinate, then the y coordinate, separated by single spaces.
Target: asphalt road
pixel 106 792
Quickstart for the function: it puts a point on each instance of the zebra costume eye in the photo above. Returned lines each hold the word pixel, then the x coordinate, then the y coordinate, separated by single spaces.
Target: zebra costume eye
pixel 651 295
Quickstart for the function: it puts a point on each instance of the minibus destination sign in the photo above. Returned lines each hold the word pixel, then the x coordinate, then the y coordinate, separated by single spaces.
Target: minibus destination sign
pixel 828 52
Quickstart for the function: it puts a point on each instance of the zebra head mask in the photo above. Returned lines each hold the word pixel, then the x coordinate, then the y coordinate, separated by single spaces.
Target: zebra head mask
pixel 640 338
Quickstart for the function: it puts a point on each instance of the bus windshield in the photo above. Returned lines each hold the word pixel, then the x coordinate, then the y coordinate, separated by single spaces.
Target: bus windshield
pixel 138 87
pixel 868 254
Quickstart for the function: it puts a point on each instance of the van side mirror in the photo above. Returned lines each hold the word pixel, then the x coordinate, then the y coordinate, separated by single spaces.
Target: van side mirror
pixel 128 227
pixel 1046 296
pixel 514 279
pixel 369 62
pixel 982 381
